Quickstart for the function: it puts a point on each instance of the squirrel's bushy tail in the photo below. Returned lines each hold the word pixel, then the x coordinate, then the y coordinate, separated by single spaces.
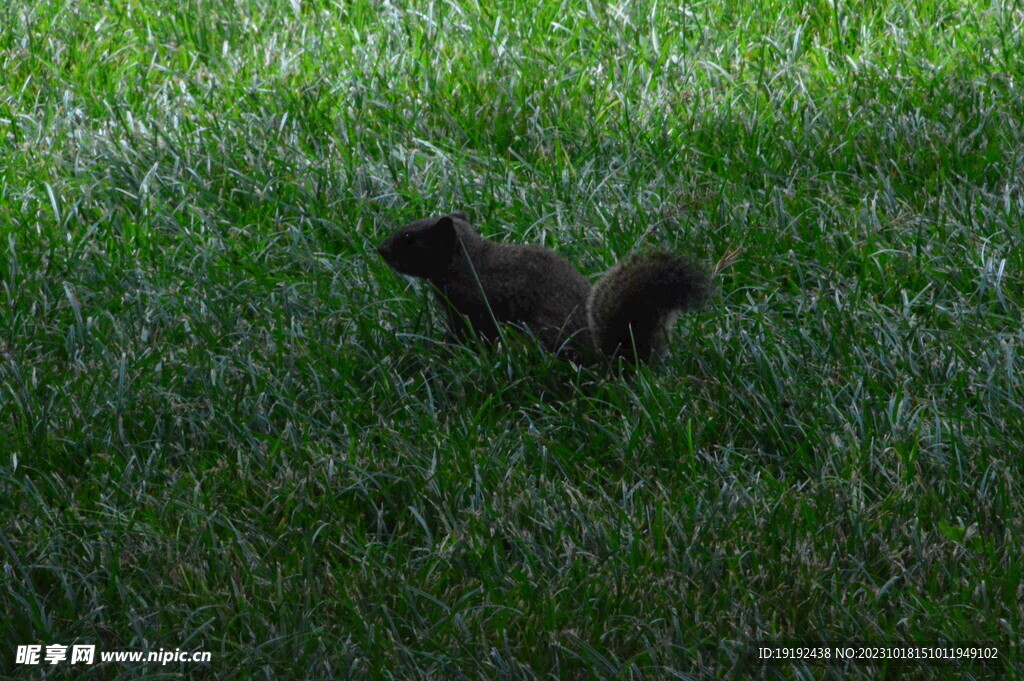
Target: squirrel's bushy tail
pixel 631 309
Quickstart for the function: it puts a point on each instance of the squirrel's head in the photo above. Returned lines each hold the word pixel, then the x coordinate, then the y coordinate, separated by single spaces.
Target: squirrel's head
pixel 424 248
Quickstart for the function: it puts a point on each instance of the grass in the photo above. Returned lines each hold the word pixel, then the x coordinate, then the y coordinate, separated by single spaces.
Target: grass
pixel 226 426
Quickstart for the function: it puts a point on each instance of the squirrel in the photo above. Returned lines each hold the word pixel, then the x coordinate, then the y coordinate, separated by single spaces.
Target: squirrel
pixel 483 283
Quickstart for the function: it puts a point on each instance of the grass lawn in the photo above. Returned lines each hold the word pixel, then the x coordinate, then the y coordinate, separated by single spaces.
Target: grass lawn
pixel 227 426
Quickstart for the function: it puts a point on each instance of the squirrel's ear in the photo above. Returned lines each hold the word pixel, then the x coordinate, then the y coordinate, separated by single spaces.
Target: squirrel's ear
pixel 459 214
pixel 443 232
pixel 443 227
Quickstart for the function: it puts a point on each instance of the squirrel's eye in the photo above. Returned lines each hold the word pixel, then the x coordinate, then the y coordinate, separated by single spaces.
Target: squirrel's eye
pixel 408 238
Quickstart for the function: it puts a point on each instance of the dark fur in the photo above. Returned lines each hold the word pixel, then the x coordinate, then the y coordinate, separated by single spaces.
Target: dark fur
pixel 483 284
